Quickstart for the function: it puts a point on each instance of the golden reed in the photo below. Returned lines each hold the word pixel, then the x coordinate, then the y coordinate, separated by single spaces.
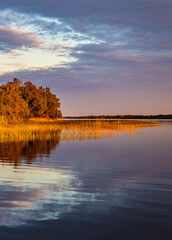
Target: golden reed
pixel 69 129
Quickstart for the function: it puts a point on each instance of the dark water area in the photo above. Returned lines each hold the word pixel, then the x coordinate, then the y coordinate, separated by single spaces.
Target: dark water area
pixel 109 188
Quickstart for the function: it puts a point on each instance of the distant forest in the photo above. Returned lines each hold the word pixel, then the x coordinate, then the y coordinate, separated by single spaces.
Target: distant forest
pixel 22 101
pixel 160 116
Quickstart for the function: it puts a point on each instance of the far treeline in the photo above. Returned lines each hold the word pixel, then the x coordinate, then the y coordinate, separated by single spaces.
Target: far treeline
pixel 23 101
pixel 160 116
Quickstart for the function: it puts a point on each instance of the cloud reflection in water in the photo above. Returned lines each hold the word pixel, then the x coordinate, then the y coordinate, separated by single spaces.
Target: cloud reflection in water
pixel 33 193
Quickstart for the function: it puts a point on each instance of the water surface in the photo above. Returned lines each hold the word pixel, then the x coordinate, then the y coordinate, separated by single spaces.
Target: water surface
pixel 117 187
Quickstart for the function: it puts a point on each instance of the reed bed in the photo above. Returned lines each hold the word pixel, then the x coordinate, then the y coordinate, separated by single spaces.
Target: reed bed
pixel 69 129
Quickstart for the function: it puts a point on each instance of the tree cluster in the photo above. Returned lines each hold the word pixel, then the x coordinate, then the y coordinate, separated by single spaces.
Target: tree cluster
pixel 159 116
pixel 26 100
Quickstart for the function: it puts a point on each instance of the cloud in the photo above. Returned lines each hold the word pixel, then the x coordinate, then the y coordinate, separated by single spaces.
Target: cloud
pixel 15 38
pixel 89 45
pixel 137 24
pixel 35 42
pixel 112 11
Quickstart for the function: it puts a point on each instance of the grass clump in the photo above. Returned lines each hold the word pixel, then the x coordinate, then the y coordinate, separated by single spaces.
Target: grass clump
pixel 68 129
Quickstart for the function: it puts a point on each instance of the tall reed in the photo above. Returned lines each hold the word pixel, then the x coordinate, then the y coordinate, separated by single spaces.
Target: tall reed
pixel 68 129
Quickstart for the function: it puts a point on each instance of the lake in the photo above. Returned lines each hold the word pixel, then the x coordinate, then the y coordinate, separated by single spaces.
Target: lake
pixel 117 187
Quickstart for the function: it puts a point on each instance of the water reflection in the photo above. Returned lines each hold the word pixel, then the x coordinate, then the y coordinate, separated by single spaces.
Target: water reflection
pixel 14 152
pixel 118 184
pixel 27 151
pixel 37 194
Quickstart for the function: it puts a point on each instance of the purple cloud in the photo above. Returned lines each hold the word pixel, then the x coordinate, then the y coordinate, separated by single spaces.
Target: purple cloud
pixel 14 38
pixel 133 54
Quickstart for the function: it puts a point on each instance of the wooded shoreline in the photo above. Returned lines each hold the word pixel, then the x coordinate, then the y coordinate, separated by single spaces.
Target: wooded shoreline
pixel 159 116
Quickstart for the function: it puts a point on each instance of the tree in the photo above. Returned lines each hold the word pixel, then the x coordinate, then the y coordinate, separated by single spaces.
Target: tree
pixel 27 100
pixel 12 105
pixel 53 104
pixel 33 97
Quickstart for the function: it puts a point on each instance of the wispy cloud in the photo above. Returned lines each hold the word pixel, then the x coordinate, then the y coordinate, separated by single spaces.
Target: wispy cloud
pixel 16 38
pixel 89 45
pixel 35 42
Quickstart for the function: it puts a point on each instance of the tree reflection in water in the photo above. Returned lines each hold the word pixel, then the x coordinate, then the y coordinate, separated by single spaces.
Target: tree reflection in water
pixel 27 151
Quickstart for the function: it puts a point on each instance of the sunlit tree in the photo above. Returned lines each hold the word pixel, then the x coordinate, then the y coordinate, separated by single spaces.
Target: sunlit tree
pixel 27 100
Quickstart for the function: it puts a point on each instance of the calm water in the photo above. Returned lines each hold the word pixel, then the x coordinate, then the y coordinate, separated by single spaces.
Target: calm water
pixel 111 188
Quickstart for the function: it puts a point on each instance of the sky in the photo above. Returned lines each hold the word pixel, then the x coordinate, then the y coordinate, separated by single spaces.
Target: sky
pixel 98 57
